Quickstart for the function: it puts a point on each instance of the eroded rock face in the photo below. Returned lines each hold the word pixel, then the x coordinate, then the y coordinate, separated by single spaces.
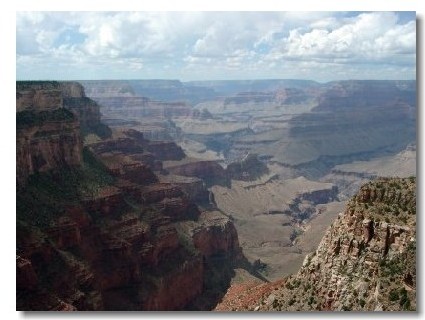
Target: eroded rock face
pixel 365 113
pixel 86 109
pixel 365 259
pixel 249 168
pixel 194 188
pixel 38 95
pixel 71 89
pixel 136 107
pixel 209 171
pixel 47 136
pixel 216 236
pixel 114 243
pixel 180 286
pixel 165 150
pixel 280 96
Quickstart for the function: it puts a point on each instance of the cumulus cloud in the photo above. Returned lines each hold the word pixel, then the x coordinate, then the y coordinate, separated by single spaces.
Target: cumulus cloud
pixel 192 45
pixel 366 38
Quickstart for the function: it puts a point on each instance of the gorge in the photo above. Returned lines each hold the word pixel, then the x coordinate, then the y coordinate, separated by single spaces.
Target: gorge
pixel 169 195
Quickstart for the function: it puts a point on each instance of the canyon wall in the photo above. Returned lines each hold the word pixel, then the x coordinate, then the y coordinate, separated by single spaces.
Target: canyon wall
pixel 365 261
pixel 96 228
pixel 47 135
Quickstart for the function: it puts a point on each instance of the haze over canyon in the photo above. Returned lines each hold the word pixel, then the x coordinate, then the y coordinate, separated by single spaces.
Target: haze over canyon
pixel 202 195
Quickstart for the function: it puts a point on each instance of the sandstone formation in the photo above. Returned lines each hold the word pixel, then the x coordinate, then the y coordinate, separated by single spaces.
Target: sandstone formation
pixel 277 97
pixel 152 212
pixel 138 107
pixel 165 150
pixel 365 261
pixel 163 90
pixel 216 235
pixel 309 129
pixel 96 229
pixel 249 168
pixel 357 111
pixel 47 135
pixel 86 109
pixel 194 188
pixel 209 171
pixel 38 96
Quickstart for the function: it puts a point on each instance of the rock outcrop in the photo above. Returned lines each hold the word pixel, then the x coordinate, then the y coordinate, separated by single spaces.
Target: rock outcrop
pixel 86 109
pixel 216 236
pixel 96 229
pixel 344 113
pixel 249 168
pixel 366 260
pixel 165 150
pixel 47 135
pixel 209 171
pixel 164 90
pixel 194 188
pixel 278 97
pixel 38 96
pixel 137 107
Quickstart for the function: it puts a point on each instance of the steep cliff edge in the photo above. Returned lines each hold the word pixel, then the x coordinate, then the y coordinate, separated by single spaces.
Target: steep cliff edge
pixel 96 230
pixel 86 109
pixel 47 135
pixel 365 262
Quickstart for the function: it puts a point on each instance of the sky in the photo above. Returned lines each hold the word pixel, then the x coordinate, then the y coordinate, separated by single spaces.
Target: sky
pixel 321 46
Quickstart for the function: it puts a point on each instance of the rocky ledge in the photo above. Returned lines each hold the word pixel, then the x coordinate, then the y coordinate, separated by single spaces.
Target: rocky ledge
pixel 96 230
pixel 47 134
pixel 365 262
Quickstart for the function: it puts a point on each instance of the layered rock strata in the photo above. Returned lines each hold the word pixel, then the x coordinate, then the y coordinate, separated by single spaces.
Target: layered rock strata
pixel 47 135
pixel 102 233
pixel 365 262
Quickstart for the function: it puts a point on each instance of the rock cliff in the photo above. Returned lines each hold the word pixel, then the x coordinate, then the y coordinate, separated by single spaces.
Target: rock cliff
pixel 38 95
pixel 138 107
pixel 249 168
pixel 47 135
pixel 86 109
pixel 96 229
pixel 209 171
pixel 366 261
pixel 216 235
pixel 164 90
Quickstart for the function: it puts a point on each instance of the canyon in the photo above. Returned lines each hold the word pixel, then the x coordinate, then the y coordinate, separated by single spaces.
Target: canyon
pixel 365 261
pixel 97 227
pixel 213 194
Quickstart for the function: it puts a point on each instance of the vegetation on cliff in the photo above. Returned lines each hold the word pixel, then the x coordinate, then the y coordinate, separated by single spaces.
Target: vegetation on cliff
pixel 365 262
pixel 93 238
pixel 31 118
pixel 47 194
pixel 37 85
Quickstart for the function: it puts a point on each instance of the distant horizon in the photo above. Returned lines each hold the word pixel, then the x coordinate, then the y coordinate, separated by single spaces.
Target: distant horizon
pixel 213 80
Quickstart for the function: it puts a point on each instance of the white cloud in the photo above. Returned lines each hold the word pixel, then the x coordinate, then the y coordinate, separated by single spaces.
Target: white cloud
pixel 214 44
pixel 369 36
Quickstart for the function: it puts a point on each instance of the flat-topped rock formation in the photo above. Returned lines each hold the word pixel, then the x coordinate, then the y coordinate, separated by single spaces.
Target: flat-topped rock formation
pixel 38 96
pixel 47 135
pixel 194 188
pixel 363 113
pixel 209 171
pixel 162 90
